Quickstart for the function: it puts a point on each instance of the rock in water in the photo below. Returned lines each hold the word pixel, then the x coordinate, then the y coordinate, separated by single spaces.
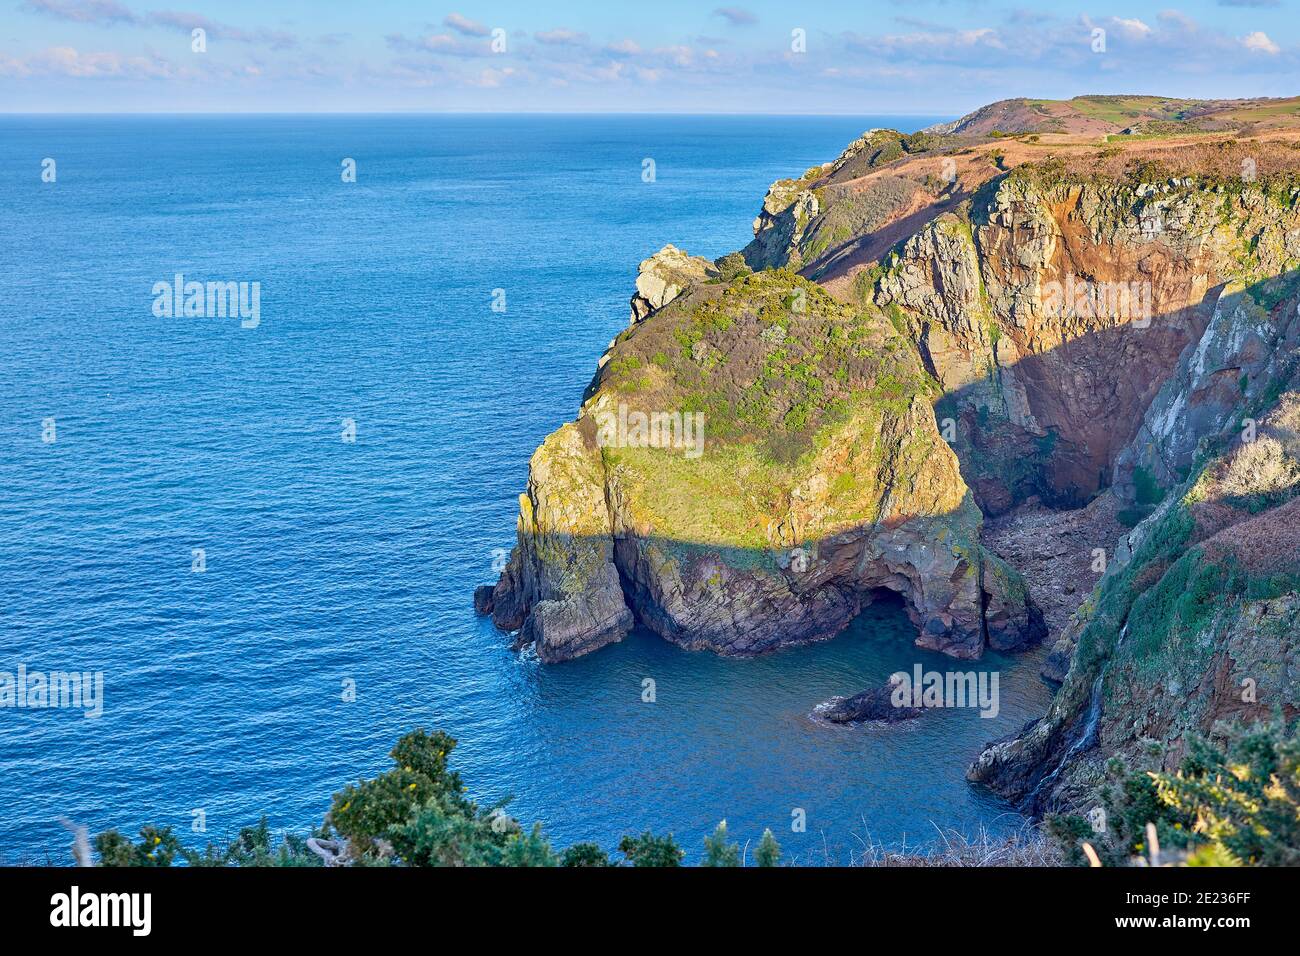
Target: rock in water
pixel 875 703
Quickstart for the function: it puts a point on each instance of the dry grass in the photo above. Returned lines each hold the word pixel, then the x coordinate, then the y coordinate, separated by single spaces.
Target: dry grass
pixel 951 848
pixel 1260 471
pixel 1153 160
pixel 1246 504
pixel 1266 544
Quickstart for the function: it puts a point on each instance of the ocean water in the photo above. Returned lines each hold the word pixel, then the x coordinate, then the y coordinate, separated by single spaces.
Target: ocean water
pixel 331 563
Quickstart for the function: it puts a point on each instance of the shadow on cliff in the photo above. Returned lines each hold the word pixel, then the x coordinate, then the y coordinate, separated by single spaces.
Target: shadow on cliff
pixel 1239 372
pixel 1087 400
pixel 838 264
pixel 567 595
pixel 1083 404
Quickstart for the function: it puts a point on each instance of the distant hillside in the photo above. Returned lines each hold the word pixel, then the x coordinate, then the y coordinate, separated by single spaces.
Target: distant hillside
pixel 1100 115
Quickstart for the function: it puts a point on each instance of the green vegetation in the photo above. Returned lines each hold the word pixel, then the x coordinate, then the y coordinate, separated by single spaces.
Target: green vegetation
pixel 650 850
pixel 848 214
pixel 731 266
pixel 1146 488
pixel 1123 110
pixel 886 146
pixel 718 852
pixel 785 376
pixel 1164 543
pixel 416 814
pixel 584 854
pixel 254 846
pixel 769 851
pixel 1132 517
pixel 1233 802
pixel 1162 129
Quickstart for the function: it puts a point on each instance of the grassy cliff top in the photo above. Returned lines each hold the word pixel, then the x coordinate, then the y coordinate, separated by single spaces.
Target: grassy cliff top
pixel 769 358
pixel 815 415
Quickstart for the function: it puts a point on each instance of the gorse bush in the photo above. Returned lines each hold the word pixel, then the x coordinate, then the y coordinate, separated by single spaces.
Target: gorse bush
pixel 1234 803
pixel 416 814
pixel 157 847
pixel 254 846
pixel 650 850
pixel 1231 803
pixel 769 851
pixel 584 854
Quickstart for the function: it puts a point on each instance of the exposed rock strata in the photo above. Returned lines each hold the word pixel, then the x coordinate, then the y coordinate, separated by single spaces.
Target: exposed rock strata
pixel 828 473
pixel 1194 623
pixel 1047 385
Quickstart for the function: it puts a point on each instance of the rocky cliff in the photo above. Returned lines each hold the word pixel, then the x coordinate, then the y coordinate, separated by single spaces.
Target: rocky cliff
pixel 1093 343
pixel 1195 622
pixel 753 463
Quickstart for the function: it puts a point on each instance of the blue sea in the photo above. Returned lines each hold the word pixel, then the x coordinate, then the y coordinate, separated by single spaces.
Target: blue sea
pixel 331 564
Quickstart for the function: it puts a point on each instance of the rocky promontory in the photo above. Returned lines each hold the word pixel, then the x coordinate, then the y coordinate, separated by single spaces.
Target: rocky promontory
pixel 754 463
pixel 1032 358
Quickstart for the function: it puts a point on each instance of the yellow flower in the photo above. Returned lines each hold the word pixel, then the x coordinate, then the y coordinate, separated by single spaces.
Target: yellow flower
pixel 411 787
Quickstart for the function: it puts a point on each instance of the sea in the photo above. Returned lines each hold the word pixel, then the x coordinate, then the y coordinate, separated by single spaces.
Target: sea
pixel 262 531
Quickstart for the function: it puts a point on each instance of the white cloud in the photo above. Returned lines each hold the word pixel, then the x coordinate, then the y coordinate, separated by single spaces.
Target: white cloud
pixel 736 16
pixel 561 37
pixel 185 22
pixel 465 26
pixel 82 11
pixel 1260 43
pixel 68 61
pixel 1132 28
pixel 492 78
pixel 443 43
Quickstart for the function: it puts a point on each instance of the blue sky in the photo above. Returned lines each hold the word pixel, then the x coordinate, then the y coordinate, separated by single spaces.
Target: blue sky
pixel 887 56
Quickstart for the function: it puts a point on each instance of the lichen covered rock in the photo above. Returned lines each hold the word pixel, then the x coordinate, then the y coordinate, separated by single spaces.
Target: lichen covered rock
pixel 1055 308
pixel 665 276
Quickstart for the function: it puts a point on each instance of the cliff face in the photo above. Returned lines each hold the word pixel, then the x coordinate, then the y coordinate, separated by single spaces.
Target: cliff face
pixel 797 471
pixel 945 326
pixel 1194 624
pixel 1055 310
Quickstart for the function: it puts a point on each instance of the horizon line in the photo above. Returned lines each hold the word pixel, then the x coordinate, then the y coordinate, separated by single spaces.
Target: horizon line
pixel 4 113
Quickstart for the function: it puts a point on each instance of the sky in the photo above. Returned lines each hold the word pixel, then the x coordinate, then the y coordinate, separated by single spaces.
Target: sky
pixel 908 57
